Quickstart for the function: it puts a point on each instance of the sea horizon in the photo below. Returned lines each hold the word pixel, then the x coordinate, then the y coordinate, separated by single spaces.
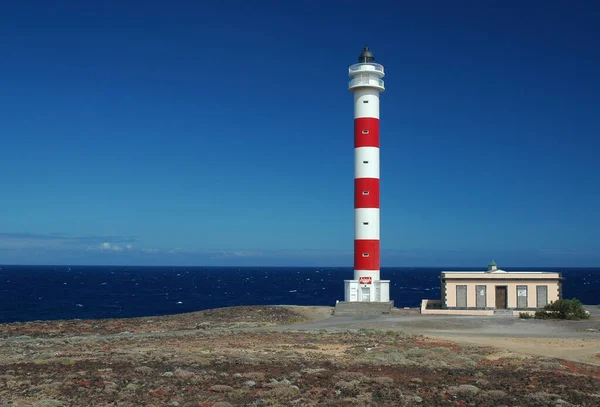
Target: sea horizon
pixel 50 292
pixel 503 267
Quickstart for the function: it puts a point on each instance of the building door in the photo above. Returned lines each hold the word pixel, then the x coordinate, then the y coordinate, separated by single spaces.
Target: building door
pixel 501 297
pixel 542 296
pixel 481 296
pixel 365 294
pixel 461 296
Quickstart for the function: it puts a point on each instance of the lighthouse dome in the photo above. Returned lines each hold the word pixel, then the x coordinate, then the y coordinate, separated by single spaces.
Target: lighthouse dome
pixel 366 56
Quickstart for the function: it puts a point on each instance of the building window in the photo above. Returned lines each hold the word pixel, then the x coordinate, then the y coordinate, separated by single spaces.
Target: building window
pixel 365 192
pixel 481 296
pixel 365 223
pixel 365 132
pixel 542 296
pixel 365 254
pixel 461 296
pixel 365 162
pixel 365 101
pixel 521 296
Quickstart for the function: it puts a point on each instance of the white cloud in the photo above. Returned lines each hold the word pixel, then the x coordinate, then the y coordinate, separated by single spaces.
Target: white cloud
pixel 111 246
pixel 56 241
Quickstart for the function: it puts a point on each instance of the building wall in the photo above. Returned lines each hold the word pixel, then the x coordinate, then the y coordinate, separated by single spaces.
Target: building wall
pixel 511 284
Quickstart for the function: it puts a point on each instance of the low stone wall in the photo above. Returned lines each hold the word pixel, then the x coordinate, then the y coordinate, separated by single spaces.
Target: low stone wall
pixel 433 307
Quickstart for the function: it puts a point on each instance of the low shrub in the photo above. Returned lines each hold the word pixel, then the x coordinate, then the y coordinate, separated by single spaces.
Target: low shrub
pixel 525 315
pixel 563 309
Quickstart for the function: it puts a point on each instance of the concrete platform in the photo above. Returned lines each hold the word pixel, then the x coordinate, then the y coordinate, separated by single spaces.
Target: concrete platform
pixel 346 308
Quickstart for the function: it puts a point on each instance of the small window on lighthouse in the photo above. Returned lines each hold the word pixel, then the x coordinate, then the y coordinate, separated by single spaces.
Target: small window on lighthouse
pixel 365 254
pixel 365 223
pixel 365 101
pixel 365 132
pixel 365 162
pixel 365 192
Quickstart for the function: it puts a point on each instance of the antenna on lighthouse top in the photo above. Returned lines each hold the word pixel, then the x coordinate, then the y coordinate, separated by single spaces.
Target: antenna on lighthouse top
pixel 366 56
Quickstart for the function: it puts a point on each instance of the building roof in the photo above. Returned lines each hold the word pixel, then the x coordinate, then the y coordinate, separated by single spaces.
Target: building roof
pixel 501 275
pixel 494 272
pixel 500 272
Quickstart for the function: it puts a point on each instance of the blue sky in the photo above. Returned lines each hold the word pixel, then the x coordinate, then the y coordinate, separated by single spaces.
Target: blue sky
pixel 214 133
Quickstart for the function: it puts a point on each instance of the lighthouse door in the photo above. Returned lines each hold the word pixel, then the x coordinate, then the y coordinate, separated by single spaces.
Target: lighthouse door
pixel 365 294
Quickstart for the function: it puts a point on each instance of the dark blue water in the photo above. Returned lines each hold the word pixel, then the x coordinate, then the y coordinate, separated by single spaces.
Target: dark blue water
pixel 59 292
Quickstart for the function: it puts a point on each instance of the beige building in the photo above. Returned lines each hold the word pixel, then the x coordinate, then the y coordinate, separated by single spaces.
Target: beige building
pixel 488 292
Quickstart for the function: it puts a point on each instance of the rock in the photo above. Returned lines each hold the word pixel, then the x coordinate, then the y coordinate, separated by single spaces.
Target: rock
pixel 460 372
pixel 237 375
pixel 143 369
pixel 542 396
pixel 351 376
pixel 222 404
pixel 384 380
pixel 492 394
pixel 174 403
pixel 221 388
pixel 468 388
pixel 167 374
pixel 132 387
pixel 250 383
pixel 282 392
pixel 274 385
pixel 49 403
pixel 254 375
pixel 185 374
pixel 417 399
pixel 483 382
pixel 416 380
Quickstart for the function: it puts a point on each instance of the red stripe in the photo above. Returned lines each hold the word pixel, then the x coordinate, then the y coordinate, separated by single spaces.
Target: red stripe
pixel 369 125
pixel 369 247
pixel 366 193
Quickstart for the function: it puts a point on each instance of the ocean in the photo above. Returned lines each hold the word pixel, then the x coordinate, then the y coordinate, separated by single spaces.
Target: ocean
pixel 29 293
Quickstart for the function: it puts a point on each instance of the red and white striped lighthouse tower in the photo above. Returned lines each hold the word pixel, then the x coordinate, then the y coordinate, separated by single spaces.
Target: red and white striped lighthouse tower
pixel 366 84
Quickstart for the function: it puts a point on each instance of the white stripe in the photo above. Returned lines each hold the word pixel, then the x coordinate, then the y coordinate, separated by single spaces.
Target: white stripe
pixel 366 162
pixel 366 223
pixel 374 274
pixel 366 103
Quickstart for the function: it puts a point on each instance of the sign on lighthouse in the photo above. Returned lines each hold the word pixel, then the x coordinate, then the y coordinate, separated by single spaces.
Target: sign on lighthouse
pixel 366 84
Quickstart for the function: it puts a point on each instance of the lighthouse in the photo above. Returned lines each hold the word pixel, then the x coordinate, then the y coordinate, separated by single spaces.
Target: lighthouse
pixel 366 84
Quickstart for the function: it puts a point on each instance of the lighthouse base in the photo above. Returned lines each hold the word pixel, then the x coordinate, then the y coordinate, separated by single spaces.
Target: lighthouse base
pixel 363 309
pixel 375 291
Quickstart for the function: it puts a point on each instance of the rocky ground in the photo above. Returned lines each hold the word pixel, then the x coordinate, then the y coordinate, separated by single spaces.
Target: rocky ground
pixel 208 359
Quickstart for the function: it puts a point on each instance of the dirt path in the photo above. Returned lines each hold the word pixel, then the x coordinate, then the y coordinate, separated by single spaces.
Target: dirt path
pixel 576 350
pixel 577 341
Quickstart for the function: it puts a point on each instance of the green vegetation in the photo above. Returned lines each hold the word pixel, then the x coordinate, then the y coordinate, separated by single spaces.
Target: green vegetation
pixel 563 309
pixel 525 315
